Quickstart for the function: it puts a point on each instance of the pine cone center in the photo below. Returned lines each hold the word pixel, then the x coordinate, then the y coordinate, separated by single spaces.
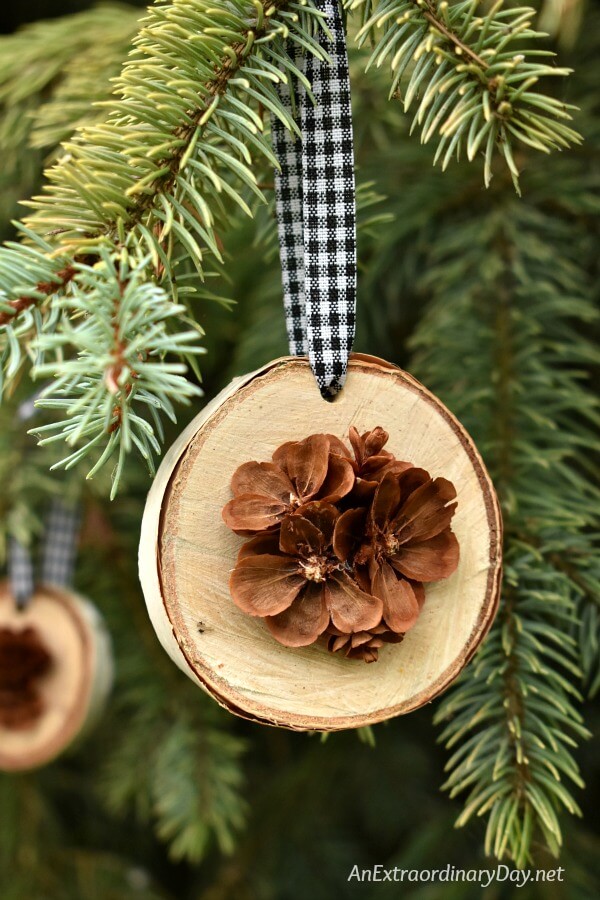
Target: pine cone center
pixel 389 544
pixel 316 568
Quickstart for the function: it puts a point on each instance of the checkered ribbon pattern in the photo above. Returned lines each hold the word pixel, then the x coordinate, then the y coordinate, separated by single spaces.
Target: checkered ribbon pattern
pixel 20 572
pixel 316 209
pixel 58 555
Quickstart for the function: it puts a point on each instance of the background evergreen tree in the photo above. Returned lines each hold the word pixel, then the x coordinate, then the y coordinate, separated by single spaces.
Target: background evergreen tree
pixel 489 298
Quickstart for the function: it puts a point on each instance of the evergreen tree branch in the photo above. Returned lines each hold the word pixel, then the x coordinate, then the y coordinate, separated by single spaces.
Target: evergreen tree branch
pixel 513 719
pixel 50 74
pixel 188 61
pixel 37 859
pixel 189 788
pixel 470 75
pixel 18 305
pixel 175 157
pixel 157 202
pixel 117 323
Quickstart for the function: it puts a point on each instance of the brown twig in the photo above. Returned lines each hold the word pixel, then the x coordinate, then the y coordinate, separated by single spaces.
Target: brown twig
pixel 20 304
pixel 464 49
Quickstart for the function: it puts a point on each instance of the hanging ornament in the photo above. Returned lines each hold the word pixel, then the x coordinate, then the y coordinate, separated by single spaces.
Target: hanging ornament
pixel 55 656
pixel 296 531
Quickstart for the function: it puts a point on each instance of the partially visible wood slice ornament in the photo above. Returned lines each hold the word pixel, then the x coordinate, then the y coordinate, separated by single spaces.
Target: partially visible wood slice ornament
pixel 67 694
pixel 187 553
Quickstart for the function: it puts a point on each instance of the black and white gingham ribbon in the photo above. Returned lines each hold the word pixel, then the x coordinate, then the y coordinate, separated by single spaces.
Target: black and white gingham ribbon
pixel 316 213
pixel 58 557
pixel 20 572
pixel 59 546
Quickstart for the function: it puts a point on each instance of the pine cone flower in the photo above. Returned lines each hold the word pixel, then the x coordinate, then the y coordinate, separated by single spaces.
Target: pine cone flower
pixel 301 472
pixel 23 661
pixel 371 462
pixel 409 540
pixel 369 455
pixel 363 645
pixel 342 542
pixel 299 580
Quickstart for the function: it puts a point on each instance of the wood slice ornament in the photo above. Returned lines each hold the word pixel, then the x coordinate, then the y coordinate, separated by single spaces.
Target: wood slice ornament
pixel 187 553
pixel 61 638
pixel 324 558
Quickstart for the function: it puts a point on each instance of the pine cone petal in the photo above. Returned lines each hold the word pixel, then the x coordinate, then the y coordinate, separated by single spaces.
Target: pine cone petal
pixel 265 542
pixel 265 585
pixel 365 645
pixel 400 606
pixel 349 529
pixel 323 516
pixel 368 445
pixel 339 480
pixel 253 512
pixel 428 560
pixel 411 479
pixel 419 590
pixel 336 446
pixel 359 638
pixel 266 479
pixel 373 467
pixel 357 444
pixel 425 513
pixel 304 621
pixel 306 463
pixel 385 501
pixel 362 493
pixel 350 608
pixel 298 536
pixel 374 441
pixel 336 642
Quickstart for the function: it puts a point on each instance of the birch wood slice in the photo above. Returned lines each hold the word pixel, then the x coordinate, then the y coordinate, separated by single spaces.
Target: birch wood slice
pixel 75 688
pixel 187 552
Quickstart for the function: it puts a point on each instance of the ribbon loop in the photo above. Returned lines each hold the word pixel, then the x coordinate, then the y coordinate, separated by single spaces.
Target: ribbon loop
pixel 316 211
pixel 58 556
pixel 60 541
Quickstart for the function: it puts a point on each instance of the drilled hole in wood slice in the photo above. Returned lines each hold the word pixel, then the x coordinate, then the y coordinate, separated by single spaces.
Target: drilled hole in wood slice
pixel 187 553
pixel 77 683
